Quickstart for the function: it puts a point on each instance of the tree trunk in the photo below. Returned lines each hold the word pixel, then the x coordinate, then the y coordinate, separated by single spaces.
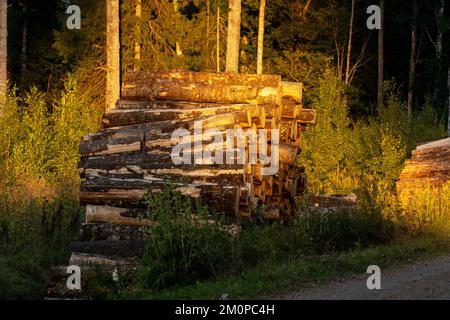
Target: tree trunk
pixel 413 59
pixel 349 48
pixel 233 36
pixel 137 45
pixel 438 71
pixel 24 49
pixel 113 53
pixel 3 49
pixel 218 38
pixel 448 106
pixel 380 90
pixel 262 8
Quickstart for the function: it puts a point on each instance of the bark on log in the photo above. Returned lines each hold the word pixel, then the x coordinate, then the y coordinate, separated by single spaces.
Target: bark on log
pixel 117 248
pixel 108 263
pixel 130 117
pixel 203 87
pixel 113 215
pixel 146 163
pixel 110 231
pixel 223 199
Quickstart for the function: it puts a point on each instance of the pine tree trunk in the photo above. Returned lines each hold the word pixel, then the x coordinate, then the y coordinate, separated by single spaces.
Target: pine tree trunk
pixel 233 36
pixel 24 49
pixel 438 70
pixel 113 53
pixel 218 38
pixel 349 48
pixel 448 106
pixel 137 45
pixel 413 59
pixel 262 8
pixel 3 48
pixel 380 90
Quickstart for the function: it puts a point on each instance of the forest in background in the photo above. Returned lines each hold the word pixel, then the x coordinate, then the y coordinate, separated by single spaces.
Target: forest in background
pixel 57 95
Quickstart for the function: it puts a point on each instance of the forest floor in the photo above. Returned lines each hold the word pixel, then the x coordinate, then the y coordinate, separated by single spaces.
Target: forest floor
pixel 419 281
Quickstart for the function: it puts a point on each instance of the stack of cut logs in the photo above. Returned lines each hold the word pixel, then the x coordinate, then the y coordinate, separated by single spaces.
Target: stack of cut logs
pixel 131 155
pixel 429 166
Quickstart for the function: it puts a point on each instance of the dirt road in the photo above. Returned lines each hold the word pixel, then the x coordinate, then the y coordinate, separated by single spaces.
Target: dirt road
pixel 424 280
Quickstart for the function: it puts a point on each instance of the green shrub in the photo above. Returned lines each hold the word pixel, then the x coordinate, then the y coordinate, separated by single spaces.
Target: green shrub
pixel 39 212
pixel 185 245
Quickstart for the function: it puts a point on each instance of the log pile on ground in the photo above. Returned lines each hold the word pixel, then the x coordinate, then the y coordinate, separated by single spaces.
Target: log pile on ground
pixel 132 154
pixel 429 166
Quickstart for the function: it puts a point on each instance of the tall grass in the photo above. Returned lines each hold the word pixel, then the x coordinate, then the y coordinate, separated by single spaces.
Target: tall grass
pixel 39 211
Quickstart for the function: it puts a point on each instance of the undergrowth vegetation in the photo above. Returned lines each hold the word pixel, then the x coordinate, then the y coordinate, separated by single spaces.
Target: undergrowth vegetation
pixel 39 213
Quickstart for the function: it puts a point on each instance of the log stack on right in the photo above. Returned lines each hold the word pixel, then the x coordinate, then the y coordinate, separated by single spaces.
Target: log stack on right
pixel 429 166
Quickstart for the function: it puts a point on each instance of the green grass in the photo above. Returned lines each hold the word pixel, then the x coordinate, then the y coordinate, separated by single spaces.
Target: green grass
pixel 33 238
pixel 270 278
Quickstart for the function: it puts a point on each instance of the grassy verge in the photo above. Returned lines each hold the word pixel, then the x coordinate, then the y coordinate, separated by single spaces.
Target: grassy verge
pixel 272 277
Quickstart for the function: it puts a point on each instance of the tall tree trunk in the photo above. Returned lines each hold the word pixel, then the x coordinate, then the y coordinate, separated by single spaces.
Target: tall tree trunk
pixel 208 23
pixel 137 43
pixel 349 48
pixel 448 106
pixel 3 49
pixel 218 37
pixel 233 36
pixel 113 53
pixel 413 59
pixel 262 9
pixel 380 91
pixel 438 72
pixel 24 49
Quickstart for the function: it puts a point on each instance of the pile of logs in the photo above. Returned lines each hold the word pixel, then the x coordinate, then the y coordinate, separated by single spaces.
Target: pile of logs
pixel 131 155
pixel 429 166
